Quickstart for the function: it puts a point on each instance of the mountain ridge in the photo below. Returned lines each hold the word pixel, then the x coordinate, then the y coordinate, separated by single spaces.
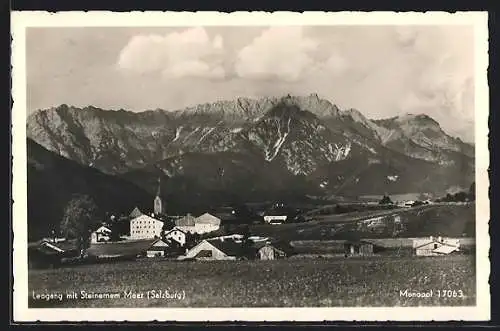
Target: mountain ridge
pixel 303 134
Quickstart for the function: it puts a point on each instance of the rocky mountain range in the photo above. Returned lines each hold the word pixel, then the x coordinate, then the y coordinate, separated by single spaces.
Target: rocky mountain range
pixel 259 147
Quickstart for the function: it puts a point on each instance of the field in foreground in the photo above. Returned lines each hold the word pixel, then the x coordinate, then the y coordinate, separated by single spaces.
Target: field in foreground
pixel 375 281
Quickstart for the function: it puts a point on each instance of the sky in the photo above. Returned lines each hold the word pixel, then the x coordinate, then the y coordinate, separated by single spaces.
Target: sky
pixel 383 71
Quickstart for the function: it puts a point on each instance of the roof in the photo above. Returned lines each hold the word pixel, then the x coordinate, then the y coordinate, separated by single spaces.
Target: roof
pixel 208 219
pixel 136 213
pixel 66 245
pixel 187 220
pixel 176 229
pixel 159 245
pixel 63 248
pixel 103 228
pixel 445 249
pixel 435 241
pixel 227 246
pixel 146 217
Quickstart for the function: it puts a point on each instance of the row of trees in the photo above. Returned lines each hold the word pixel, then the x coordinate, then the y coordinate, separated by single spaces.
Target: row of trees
pixel 461 196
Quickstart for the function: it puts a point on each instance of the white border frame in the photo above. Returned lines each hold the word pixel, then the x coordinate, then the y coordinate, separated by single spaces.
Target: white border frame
pixel 22 20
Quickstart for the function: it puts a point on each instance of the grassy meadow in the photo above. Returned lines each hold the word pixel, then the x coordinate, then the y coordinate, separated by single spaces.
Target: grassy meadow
pixel 306 282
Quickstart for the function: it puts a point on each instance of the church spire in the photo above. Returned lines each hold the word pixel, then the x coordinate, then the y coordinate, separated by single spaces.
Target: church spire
pixel 158 205
pixel 158 191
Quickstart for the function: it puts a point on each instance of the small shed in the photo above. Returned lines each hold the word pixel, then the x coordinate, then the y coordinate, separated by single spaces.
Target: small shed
pixel 103 233
pixel 358 248
pixel 270 252
pixel 158 249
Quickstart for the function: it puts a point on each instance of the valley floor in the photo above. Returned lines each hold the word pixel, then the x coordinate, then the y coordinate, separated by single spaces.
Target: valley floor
pixel 308 282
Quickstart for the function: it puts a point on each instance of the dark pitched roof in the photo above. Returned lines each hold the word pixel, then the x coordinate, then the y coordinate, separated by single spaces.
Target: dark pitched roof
pixel 176 229
pixel 136 213
pixel 227 246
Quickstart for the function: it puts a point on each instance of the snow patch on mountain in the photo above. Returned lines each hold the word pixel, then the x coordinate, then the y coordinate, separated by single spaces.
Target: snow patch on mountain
pixel 270 155
pixel 210 130
pixel 177 133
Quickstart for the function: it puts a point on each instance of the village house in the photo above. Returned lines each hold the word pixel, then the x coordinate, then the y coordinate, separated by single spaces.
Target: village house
pixel 206 223
pixel 102 234
pixel 201 224
pixel 186 223
pixel 215 249
pixel 176 235
pixel 158 249
pixel 433 246
pixel 145 227
pixel 275 219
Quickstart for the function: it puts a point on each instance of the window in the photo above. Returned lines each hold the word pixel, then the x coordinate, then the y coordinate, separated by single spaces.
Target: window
pixel 435 246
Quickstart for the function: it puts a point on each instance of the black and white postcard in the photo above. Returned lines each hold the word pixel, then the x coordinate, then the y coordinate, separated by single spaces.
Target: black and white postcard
pixel 250 166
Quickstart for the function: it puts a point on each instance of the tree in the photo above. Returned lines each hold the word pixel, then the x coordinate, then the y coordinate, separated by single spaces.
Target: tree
pixel 472 191
pixel 386 200
pixel 80 216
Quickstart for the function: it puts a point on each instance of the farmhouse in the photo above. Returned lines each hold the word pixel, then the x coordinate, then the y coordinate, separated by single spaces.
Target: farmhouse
pixel 101 234
pixel 215 249
pixel 275 219
pixel 144 227
pixel 201 224
pixel 206 223
pixel 158 249
pixel 433 246
pixel 177 235
pixel 48 254
pixel 186 223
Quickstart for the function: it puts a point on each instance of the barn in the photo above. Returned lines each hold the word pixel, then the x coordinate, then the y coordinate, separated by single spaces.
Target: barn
pixel 433 246
pixel 45 254
pixel 215 249
pixel 158 249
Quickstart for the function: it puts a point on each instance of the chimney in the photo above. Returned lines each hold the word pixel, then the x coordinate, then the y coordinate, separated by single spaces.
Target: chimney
pixel 432 238
pixel 440 239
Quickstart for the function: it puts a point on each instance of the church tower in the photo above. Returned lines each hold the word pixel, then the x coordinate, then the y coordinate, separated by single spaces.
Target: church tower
pixel 158 206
